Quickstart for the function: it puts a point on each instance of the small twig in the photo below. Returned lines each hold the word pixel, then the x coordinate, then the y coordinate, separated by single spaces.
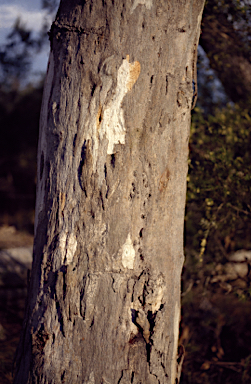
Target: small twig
pixel 237 367
pixel 190 286
pixel 239 210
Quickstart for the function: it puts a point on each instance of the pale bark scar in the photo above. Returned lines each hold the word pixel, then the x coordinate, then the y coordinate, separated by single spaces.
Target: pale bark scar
pixel 176 322
pixel 91 379
pixel 164 178
pixel 134 71
pixel 128 253
pixel 148 4
pixel 111 121
pixel 67 246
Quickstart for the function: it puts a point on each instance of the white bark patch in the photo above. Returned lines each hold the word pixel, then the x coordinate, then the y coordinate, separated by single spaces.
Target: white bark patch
pixel 153 294
pixel 91 291
pixel 107 118
pixel 68 246
pixel 128 253
pixel 91 379
pixel 157 299
pixel 113 122
pixel 148 4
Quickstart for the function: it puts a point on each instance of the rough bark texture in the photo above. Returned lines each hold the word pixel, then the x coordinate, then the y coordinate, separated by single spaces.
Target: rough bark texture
pixel 104 301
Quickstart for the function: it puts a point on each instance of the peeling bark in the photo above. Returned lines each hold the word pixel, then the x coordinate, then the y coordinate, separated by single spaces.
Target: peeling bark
pixel 104 296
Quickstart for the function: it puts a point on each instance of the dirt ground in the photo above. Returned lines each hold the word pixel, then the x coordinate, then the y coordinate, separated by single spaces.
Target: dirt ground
pixel 13 290
pixel 216 324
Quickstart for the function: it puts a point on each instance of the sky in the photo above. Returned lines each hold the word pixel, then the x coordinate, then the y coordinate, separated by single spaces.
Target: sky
pixel 31 15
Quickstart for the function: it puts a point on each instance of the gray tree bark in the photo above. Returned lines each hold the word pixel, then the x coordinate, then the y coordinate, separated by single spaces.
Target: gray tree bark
pixel 104 295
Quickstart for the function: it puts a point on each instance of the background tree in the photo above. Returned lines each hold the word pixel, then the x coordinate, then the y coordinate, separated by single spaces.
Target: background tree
pixel 226 36
pixel 220 136
pixel 104 296
pixel 218 216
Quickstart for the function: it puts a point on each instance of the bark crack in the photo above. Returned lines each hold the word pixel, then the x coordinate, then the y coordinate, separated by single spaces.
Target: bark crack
pixel 121 376
pixel 62 27
pixel 146 304
pixel 148 313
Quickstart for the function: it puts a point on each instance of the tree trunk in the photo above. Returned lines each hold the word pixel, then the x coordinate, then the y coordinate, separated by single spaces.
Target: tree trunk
pixel 104 295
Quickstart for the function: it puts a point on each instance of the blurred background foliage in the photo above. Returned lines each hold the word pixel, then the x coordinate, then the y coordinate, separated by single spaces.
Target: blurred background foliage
pixel 216 308
pixel 218 213
pixel 218 219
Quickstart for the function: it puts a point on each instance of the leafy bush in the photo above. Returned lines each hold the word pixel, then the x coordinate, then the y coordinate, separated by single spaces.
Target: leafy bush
pixel 218 218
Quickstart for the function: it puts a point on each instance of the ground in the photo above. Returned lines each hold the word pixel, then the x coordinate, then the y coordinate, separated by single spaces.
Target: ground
pixel 13 279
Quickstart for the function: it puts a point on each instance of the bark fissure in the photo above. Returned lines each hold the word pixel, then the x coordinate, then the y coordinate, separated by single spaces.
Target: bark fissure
pixel 63 27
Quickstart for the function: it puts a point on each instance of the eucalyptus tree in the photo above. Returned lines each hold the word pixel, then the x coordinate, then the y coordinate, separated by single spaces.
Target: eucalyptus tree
pixel 104 294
